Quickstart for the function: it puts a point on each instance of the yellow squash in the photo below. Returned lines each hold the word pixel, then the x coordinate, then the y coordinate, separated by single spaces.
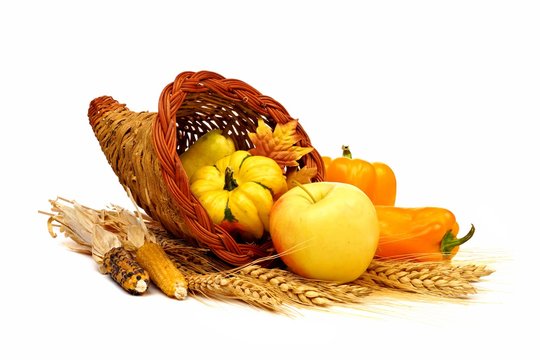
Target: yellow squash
pixel 238 192
pixel 209 148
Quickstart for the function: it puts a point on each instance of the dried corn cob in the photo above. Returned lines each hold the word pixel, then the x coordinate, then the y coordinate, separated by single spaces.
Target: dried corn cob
pixel 116 261
pixel 80 224
pixel 123 268
pixel 162 271
pixel 153 258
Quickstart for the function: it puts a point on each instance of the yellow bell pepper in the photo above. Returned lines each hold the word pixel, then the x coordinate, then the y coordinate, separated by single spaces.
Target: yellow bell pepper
pixel 238 192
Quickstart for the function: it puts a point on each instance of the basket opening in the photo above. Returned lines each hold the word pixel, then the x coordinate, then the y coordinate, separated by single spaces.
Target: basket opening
pixel 202 112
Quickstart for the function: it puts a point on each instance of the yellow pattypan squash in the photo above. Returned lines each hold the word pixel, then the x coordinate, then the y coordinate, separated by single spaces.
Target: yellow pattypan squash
pixel 239 191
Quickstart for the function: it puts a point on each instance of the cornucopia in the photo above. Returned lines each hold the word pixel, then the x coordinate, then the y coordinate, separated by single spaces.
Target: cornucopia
pixel 209 175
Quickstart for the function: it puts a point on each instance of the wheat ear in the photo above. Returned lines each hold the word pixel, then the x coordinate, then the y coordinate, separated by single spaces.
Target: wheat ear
pixel 437 279
pixel 304 291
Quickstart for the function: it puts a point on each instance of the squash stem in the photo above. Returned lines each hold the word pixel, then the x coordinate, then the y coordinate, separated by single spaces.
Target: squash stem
pixel 346 151
pixel 295 182
pixel 450 241
pixel 230 182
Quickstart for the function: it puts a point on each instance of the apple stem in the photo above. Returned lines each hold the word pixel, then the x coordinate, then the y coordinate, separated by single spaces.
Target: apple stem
pixel 295 182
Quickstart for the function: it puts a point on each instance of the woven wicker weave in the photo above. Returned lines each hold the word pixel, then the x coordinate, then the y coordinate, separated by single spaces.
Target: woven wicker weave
pixel 143 149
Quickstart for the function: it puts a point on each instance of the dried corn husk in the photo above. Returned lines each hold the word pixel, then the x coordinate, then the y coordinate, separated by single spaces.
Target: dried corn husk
pixel 82 226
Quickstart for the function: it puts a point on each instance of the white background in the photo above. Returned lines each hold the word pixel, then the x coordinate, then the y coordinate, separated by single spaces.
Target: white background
pixel 447 93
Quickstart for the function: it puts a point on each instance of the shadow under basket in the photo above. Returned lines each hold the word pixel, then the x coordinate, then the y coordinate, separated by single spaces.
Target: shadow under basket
pixel 143 149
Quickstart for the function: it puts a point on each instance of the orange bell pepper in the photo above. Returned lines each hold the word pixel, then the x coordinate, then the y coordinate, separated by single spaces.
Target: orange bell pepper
pixel 376 179
pixel 419 234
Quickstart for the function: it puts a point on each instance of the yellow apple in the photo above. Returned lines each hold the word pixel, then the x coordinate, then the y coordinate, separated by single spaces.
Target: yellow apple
pixel 325 230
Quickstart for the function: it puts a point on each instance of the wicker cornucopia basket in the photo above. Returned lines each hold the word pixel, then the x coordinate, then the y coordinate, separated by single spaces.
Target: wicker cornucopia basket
pixel 143 149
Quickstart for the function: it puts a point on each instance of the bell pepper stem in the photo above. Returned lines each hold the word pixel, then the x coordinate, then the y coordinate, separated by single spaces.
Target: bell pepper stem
pixel 450 241
pixel 346 151
pixel 230 182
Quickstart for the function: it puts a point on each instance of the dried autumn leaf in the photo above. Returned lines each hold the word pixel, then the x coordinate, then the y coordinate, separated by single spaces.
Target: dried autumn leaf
pixel 278 145
pixel 302 176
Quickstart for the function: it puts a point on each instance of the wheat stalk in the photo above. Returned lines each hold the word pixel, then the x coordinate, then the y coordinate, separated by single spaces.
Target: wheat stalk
pixel 258 285
pixel 222 284
pixel 236 287
pixel 469 272
pixel 431 278
pixel 292 288
pixel 305 291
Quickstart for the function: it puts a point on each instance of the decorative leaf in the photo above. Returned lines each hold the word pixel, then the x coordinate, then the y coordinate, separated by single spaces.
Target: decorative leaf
pixel 302 176
pixel 278 145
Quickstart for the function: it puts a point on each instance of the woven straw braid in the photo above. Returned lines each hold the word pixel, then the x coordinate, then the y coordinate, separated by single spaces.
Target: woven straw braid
pixel 144 148
pixel 125 139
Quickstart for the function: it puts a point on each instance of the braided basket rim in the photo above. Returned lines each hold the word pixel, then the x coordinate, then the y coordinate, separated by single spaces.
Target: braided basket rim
pixel 164 137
